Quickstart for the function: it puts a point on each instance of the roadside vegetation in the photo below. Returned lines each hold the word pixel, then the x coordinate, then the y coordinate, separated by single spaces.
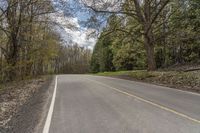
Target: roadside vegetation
pixel 176 39
pixel 176 79
pixel 141 40
pixel 30 45
pixel 172 40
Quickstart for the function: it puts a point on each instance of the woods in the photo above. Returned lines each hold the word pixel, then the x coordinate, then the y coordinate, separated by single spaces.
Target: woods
pixel 99 66
pixel 21 27
pixel 150 35
pixel 29 44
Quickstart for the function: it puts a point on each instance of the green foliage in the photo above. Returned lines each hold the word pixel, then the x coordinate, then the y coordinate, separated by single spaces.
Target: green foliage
pixel 175 39
pixel 141 75
pixel 188 80
pixel 117 73
pixel 136 74
pixel 183 43
pixel 118 51
pixel 29 46
pixel 129 57
pixel 102 56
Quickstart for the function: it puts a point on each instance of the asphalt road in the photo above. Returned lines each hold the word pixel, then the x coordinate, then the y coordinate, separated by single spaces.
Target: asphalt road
pixel 92 104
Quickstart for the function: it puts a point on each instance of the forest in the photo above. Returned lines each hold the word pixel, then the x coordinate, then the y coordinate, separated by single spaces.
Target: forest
pixel 29 46
pixel 149 35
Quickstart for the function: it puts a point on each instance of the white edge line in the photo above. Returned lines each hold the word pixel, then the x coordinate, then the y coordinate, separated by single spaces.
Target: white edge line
pixel 49 116
pixel 165 87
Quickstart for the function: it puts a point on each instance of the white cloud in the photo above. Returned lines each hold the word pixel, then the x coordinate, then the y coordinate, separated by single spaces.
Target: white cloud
pixel 71 31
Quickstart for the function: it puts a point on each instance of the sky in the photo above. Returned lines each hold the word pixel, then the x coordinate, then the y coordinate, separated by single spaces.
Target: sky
pixel 70 27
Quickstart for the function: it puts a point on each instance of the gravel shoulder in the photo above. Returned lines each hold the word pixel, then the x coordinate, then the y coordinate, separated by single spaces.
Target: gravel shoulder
pixel 24 105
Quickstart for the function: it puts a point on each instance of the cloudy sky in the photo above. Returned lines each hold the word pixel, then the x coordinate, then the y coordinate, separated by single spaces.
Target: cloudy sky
pixel 70 26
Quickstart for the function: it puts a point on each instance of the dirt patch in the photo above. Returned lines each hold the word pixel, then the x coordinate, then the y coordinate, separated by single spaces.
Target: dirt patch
pixel 18 105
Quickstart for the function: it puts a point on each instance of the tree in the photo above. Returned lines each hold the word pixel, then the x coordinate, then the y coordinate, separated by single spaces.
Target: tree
pixel 181 43
pixel 73 59
pixel 102 56
pixel 145 12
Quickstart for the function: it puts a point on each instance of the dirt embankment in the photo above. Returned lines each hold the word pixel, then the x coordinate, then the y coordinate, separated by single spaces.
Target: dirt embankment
pixel 20 104
pixel 189 81
pixel 182 80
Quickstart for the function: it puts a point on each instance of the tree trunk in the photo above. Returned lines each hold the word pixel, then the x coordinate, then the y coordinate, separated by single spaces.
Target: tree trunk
pixel 149 46
pixel 1 67
pixel 146 21
pixel 12 59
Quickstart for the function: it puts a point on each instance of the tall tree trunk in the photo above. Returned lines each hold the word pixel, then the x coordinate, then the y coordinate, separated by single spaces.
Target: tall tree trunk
pixel 12 59
pixel 149 47
pixel 1 67
pixel 146 21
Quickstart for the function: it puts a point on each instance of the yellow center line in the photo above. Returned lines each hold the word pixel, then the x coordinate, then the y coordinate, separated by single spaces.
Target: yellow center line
pixel 149 102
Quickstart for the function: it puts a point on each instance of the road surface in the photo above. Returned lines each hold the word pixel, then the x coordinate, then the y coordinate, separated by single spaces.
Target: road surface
pixel 92 104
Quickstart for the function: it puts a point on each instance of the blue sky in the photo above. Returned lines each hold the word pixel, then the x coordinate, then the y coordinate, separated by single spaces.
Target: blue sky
pixel 71 28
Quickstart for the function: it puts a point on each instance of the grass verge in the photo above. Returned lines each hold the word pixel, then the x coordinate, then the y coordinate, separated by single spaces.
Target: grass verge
pixel 181 80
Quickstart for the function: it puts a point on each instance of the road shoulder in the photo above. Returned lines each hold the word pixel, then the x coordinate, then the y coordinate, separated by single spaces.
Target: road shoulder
pixel 30 116
pixel 185 81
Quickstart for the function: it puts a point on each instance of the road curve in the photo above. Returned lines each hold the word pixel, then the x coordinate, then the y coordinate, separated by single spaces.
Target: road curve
pixel 93 104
